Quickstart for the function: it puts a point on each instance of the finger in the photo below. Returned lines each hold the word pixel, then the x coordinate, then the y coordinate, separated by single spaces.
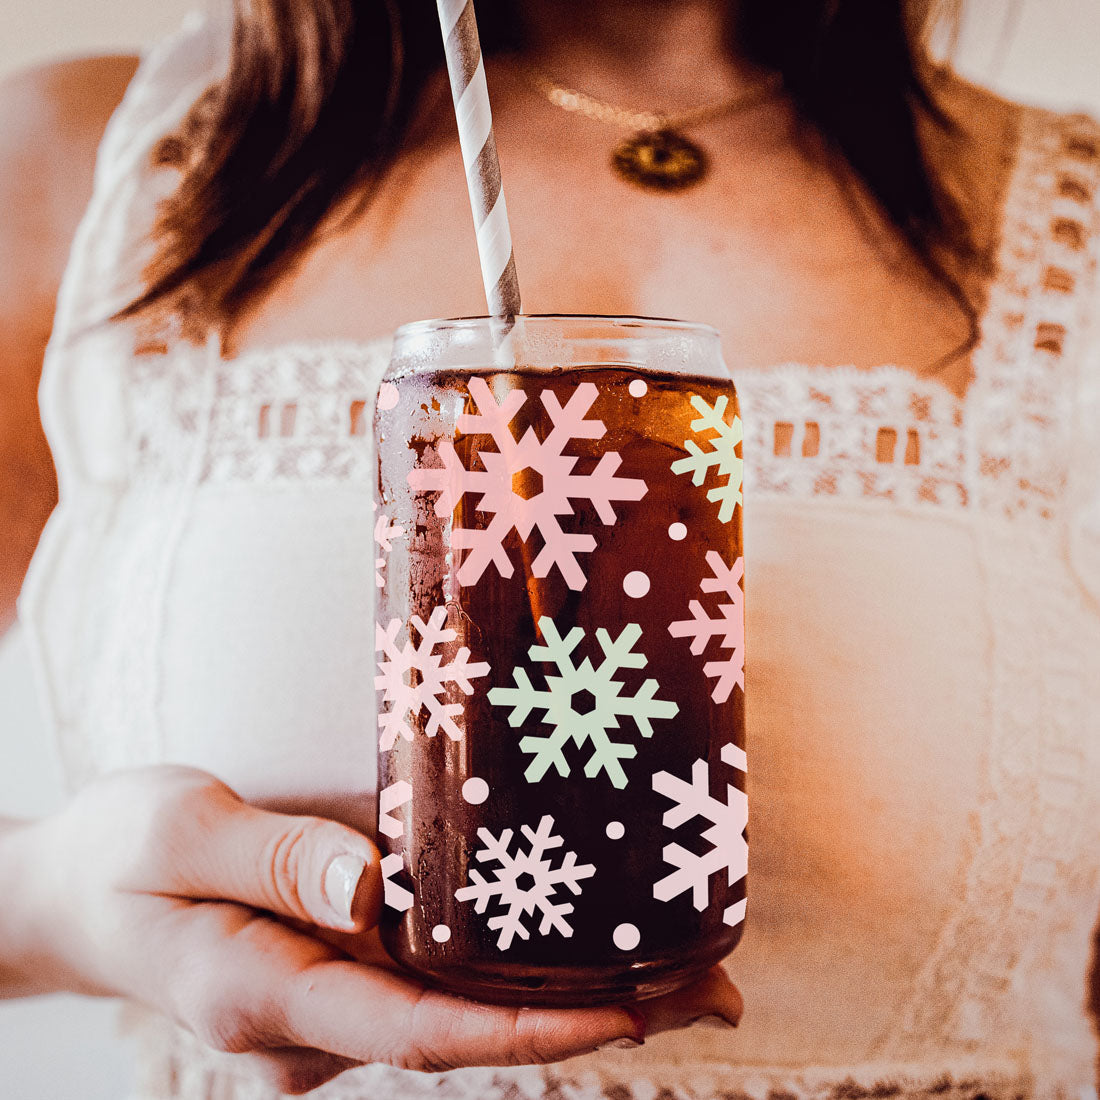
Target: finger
pixel 714 995
pixel 262 985
pixel 422 1029
pixel 206 843
pixel 293 1071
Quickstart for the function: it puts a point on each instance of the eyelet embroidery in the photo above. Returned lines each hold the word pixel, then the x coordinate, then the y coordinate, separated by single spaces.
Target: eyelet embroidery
pixel 975 982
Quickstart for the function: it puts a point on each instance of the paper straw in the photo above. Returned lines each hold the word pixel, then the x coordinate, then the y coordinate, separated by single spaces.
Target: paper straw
pixel 479 154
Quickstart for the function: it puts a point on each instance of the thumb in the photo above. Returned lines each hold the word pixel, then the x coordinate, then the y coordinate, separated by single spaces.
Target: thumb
pixel 308 868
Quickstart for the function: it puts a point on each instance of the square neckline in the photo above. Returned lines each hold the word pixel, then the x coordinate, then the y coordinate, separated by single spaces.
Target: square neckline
pixel 1020 134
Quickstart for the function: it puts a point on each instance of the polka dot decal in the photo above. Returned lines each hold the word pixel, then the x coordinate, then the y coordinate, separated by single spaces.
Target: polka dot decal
pixel 475 791
pixel 626 937
pixel 387 396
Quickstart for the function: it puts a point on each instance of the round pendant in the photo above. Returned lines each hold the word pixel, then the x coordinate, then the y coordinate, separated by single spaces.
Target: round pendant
pixel 660 159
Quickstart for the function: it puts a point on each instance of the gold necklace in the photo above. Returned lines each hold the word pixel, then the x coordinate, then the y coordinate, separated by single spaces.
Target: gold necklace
pixel 656 154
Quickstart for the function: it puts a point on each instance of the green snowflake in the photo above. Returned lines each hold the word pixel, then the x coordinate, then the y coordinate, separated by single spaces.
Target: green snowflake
pixel 723 454
pixel 582 703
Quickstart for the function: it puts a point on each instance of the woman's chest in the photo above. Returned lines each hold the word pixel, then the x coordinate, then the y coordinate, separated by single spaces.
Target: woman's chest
pixel 777 259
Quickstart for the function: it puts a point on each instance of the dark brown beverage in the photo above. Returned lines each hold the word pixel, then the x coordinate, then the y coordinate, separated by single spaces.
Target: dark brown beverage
pixel 561 692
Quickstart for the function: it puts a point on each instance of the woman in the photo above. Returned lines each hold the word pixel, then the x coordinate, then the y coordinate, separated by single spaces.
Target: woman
pixel 923 536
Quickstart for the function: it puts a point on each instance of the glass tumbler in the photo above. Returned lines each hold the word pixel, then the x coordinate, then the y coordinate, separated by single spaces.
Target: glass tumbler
pixel 560 657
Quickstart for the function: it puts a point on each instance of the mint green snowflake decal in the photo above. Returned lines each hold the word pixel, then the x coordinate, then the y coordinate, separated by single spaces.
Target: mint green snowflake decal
pixel 583 702
pixel 722 454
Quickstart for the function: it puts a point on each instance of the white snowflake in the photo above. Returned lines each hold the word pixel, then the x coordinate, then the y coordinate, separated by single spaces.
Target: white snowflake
pixel 414 678
pixel 729 851
pixel 583 702
pixel 525 882
pixel 394 894
pixel 526 484
pixel 391 798
pixel 722 454
pixel 728 628
pixel 385 531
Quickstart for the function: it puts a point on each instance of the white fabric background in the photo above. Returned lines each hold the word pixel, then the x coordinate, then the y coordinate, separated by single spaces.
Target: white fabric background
pixel 63 1048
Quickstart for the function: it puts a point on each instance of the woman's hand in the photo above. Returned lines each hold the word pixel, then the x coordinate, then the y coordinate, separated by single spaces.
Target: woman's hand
pixel 163 886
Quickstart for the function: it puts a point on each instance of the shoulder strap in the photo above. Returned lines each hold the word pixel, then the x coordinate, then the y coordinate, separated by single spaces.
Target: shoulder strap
pixel 1083 141
pixel 1036 319
pixel 109 242
pixel 81 397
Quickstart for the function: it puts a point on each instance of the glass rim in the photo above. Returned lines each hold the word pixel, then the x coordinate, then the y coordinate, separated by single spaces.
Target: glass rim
pixel 625 321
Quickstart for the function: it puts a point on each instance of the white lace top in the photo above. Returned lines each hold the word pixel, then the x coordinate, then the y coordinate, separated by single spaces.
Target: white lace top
pixel 924 657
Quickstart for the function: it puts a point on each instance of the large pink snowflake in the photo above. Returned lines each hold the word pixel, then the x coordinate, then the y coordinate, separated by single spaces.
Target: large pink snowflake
pixel 728 628
pixel 526 483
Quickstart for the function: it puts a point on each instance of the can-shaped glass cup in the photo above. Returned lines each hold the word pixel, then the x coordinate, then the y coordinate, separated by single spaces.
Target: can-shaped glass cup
pixel 560 648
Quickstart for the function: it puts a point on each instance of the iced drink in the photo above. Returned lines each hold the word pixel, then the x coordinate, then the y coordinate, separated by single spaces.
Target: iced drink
pixel 560 679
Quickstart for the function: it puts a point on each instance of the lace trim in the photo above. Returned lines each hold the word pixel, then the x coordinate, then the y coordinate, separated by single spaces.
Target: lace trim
pixel 303 412
pixel 184 1080
pixel 168 410
pixel 300 412
pixel 176 1066
pixel 818 431
pixel 1036 309
pixel 1036 818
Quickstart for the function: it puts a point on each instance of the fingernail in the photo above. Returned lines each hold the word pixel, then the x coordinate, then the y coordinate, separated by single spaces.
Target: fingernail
pixel 341 881
pixel 627 1042
pixel 712 1022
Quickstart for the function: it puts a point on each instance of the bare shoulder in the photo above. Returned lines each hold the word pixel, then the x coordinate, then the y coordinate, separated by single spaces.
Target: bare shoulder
pixel 972 105
pixel 979 150
pixel 77 95
pixel 51 122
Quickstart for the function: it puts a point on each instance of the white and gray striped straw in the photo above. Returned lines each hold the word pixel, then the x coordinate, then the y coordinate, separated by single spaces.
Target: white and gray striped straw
pixel 479 153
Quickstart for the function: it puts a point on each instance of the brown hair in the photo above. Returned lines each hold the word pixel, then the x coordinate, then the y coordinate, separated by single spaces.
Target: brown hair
pixel 319 96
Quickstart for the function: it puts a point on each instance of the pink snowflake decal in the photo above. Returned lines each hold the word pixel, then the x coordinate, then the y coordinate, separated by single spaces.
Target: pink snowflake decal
pixel 728 627
pixel 526 484
pixel 385 531
pixel 412 678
